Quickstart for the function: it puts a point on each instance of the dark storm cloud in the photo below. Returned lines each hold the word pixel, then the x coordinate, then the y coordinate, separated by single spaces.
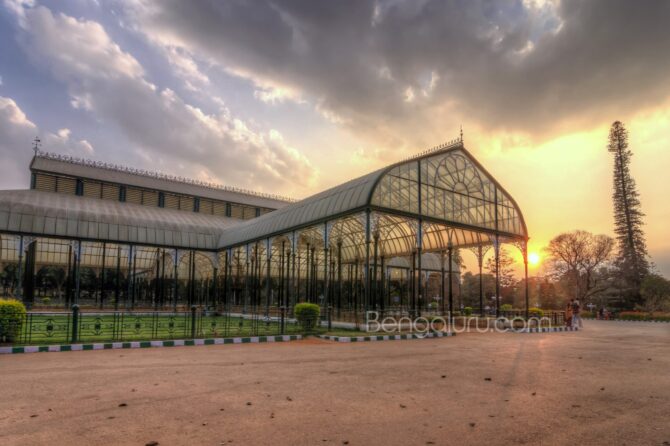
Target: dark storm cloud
pixel 501 64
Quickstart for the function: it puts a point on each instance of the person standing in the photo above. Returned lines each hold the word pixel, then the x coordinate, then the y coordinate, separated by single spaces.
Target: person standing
pixel 576 318
pixel 568 314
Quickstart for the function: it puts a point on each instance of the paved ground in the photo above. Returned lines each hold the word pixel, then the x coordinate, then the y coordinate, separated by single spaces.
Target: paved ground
pixel 609 385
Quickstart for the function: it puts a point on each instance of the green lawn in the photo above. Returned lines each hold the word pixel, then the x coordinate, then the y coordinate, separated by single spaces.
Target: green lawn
pixel 55 329
pixel 343 332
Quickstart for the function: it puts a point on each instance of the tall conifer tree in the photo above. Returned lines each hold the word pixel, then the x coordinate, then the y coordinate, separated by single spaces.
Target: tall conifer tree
pixel 632 256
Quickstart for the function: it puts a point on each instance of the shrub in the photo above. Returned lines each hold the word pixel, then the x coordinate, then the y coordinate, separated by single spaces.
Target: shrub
pixel 642 316
pixel 467 311
pixel 307 315
pixel 12 314
pixel 587 314
pixel 46 300
pixel 634 316
pixel 535 312
pixel 659 316
pixel 506 307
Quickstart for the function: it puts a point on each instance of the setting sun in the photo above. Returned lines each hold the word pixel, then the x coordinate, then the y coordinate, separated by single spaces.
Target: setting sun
pixel 533 258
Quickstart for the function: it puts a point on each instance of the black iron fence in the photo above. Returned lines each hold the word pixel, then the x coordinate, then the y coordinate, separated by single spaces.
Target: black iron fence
pixel 77 326
pixel 555 317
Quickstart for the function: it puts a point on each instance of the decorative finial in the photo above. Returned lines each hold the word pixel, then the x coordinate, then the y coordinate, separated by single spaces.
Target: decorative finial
pixel 461 133
pixel 37 143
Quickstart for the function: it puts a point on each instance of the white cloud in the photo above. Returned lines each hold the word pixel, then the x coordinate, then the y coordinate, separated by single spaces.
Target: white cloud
pixel 64 133
pixel 76 48
pixel 186 68
pixel 409 94
pixel 60 142
pixel 110 82
pixel 387 68
pixel 273 95
pixel 13 114
pixel 17 133
pixel 17 7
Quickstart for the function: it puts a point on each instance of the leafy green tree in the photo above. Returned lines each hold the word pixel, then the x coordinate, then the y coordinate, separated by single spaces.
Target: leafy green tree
pixel 470 288
pixel 548 295
pixel 8 275
pixel 655 291
pixel 52 277
pixel 505 272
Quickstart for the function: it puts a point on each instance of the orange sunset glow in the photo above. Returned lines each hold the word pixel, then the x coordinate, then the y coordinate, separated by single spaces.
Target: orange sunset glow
pixel 287 119
pixel 335 222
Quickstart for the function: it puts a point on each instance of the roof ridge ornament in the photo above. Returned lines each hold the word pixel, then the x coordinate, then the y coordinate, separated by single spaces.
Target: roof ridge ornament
pixel 37 143
pixel 446 145
pixel 152 174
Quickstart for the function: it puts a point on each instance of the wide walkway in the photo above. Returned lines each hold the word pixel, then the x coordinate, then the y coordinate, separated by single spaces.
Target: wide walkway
pixel 606 385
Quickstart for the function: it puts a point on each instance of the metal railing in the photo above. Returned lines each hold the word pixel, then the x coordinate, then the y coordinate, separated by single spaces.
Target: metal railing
pixel 116 326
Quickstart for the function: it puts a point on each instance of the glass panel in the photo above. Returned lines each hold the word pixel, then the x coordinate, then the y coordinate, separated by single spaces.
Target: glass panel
pixel 236 211
pixel 133 195
pixel 110 192
pixel 92 189
pixel 45 182
pixel 171 201
pixel 206 206
pixel 398 189
pixel 66 185
pixel 186 203
pixel 150 198
pixel 219 209
pixel 453 189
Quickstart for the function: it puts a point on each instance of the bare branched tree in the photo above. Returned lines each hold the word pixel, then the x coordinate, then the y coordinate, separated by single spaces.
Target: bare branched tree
pixel 580 261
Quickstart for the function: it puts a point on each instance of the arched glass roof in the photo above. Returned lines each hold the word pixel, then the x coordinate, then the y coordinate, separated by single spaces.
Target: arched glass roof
pixel 457 202
pixel 59 215
pixel 445 188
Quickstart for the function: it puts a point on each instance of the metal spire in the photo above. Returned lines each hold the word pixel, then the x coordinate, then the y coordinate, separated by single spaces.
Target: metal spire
pixel 37 143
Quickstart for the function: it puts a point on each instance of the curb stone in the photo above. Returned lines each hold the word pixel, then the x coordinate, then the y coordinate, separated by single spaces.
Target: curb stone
pixel 146 344
pixel 385 337
pixel 623 320
pixel 545 330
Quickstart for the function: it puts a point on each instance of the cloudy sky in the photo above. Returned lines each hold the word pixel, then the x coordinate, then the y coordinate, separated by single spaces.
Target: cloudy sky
pixel 292 97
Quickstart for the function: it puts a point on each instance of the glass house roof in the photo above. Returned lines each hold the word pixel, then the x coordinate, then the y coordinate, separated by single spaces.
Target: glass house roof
pixel 42 213
pixel 456 200
pixel 445 187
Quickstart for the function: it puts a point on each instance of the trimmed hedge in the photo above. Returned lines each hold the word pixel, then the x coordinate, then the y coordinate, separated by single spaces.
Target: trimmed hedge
pixel 506 307
pixel 633 316
pixel 467 311
pixel 535 312
pixel 307 315
pixel 641 316
pixel 12 314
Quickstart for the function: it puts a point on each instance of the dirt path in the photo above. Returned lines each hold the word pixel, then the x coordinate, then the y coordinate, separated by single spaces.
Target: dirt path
pixel 609 385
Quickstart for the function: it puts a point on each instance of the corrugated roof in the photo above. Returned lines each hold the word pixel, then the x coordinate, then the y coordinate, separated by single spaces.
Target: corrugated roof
pixel 117 174
pixel 52 214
